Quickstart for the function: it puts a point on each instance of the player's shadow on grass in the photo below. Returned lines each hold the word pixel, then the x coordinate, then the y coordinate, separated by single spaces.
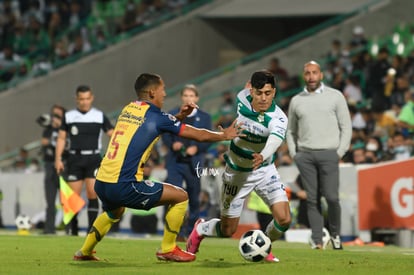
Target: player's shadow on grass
pixel 104 264
pixel 219 263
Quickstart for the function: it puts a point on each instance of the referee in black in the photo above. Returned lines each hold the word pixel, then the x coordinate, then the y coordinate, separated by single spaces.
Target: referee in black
pixel 83 127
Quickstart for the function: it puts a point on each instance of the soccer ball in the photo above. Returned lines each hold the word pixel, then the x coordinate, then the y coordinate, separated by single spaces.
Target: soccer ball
pixel 254 245
pixel 23 222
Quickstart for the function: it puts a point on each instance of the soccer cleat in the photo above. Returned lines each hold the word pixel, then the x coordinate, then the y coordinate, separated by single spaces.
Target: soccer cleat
pixel 271 259
pixel 176 255
pixel 194 240
pixel 336 243
pixel 79 256
pixel 326 238
pixel 314 245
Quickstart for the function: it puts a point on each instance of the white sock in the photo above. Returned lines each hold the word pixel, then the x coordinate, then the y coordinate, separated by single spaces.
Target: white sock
pixel 272 232
pixel 208 228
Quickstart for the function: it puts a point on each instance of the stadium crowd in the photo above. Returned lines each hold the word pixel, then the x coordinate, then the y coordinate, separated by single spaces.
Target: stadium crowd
pixel 37 36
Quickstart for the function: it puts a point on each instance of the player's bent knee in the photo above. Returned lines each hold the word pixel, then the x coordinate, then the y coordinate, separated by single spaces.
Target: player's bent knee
pixel 173 194
pixel 117 213
pixel 284 221
pixel 183 195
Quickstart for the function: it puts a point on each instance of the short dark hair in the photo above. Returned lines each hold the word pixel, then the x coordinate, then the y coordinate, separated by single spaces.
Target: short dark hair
pixel 60 107
pixel 261 78
pixel 83 89
pixel 145 81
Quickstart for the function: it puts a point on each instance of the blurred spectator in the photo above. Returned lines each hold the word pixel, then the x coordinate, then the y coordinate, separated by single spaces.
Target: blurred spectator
pixel 358 121
pixel 402 85
pixel 406 116
pixel 227 111
pixel 41 64
pixel 38 38
pixel 129 20
pixel 8 18
pixel 376 80
pixel 54 27
pixel 10 64
pixel 61 50
pixel 371 157
pixel 358 155
pixel 19 40
pixel 345 61
pixel 368 117
pixel 358 37
pixel 33 167
pixel 339 77
pixel 385 125
pixel 335 51
pixel 34 12
pixel 352 90
pixel 78 12
pixel 373 150
pixel 398 147
pixel 79 45
pixel 22 161
pixel 356 142
pixel 278 71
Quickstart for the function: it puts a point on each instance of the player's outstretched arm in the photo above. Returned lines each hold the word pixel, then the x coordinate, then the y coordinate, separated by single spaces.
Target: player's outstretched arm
pixel 204 135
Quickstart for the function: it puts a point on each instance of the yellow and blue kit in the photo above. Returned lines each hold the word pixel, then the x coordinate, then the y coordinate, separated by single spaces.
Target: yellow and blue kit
pixel 120 181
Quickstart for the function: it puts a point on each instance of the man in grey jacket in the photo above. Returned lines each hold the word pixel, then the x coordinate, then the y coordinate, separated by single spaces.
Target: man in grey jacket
pixel 318 135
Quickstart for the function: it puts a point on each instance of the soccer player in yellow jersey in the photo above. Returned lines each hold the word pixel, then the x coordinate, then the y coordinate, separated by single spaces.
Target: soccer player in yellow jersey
pixel 120 183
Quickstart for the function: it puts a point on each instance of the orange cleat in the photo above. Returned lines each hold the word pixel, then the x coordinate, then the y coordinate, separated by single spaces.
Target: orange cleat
pixel 176 255
pixel 79 256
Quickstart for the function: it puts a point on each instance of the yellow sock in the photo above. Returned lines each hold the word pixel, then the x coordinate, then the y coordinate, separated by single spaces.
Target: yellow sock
pixel 173 221
pixel 99 228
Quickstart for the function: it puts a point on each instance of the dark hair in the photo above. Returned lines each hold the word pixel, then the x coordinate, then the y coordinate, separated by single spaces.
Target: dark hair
pixel 145 81
pixel 60 107
pixel 379 141
pixel 83 89
pixel 352 109
pixel 261 78
pixel 383 50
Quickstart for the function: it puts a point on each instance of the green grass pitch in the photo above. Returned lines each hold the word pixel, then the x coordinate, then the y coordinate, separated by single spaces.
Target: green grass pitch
pixel 39 254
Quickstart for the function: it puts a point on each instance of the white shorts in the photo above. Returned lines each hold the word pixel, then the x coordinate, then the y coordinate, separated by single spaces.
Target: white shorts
pixel 238 185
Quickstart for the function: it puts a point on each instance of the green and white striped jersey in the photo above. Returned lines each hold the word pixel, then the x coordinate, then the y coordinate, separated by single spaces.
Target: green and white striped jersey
pixel 257 127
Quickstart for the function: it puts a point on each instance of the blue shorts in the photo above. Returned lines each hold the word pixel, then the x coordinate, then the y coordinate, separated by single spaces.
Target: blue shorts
pixel 137 195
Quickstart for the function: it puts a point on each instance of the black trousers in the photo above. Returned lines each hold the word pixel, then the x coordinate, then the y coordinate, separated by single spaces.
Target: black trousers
pixel 51 185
